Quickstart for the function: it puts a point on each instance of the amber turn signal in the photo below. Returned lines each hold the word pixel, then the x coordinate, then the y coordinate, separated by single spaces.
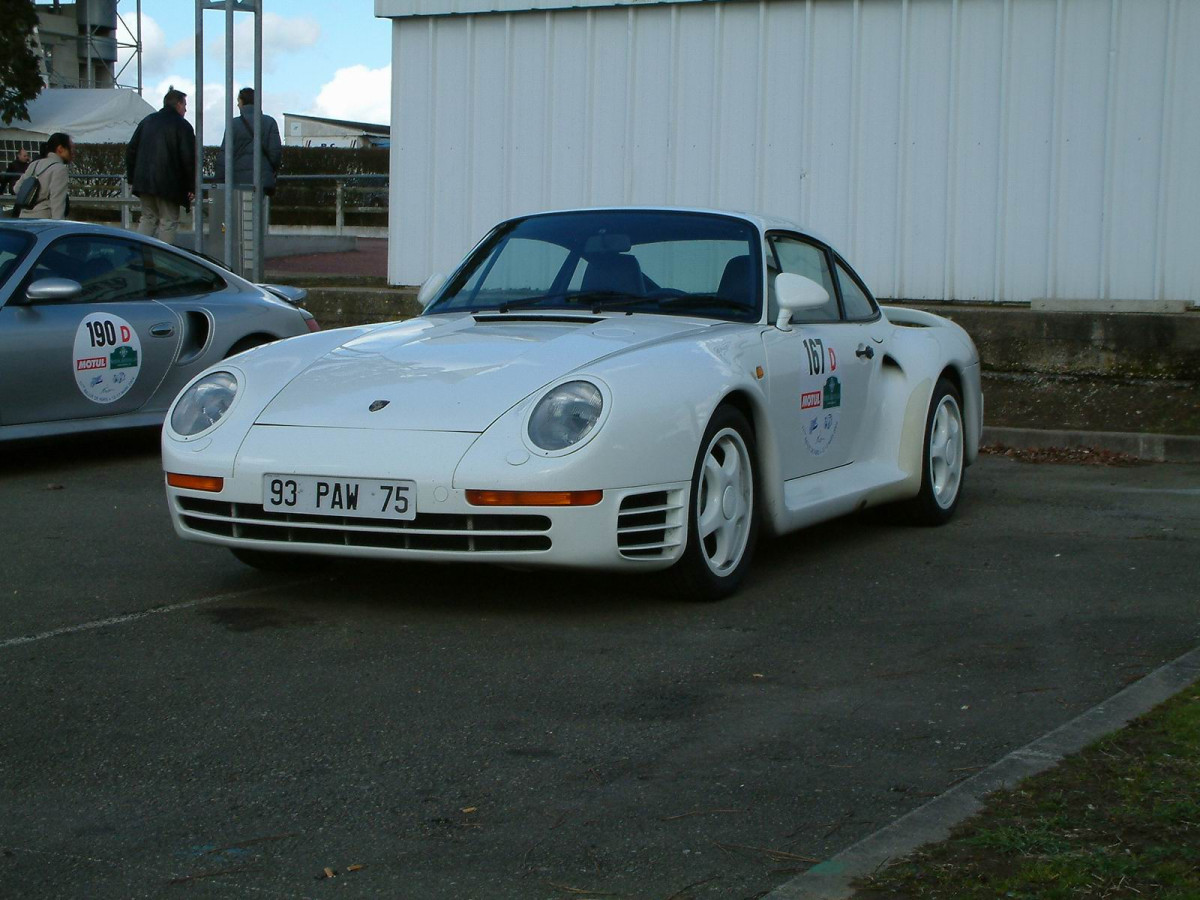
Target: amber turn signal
pixel 534 498
pixel 196 482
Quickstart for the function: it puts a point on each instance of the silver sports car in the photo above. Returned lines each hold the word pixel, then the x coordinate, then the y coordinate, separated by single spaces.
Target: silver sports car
pixel 101 328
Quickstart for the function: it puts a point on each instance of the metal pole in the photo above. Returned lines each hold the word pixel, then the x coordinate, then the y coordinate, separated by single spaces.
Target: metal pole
pixel 259 242
pixel 198 203
pixel 229 138
pixel 139 46
pixel 87 25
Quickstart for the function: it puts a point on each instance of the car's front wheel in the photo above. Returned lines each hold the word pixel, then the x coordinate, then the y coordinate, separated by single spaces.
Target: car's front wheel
pixel 723 511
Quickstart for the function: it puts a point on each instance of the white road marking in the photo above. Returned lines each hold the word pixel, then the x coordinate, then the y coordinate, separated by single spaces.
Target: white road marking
pixel 133 617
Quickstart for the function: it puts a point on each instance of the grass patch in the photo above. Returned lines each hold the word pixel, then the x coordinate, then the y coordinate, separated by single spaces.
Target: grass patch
pixel 1119 819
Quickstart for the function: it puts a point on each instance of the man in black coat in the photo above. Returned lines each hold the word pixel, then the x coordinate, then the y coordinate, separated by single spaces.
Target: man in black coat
pixel 160 166
pixel 16 168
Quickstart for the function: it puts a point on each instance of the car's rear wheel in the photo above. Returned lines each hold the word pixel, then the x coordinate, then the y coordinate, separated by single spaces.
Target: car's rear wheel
pixel 723 510
pixel 942 459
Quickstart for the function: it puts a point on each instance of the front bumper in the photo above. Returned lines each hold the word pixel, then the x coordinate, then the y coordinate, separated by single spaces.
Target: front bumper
pixel 633 527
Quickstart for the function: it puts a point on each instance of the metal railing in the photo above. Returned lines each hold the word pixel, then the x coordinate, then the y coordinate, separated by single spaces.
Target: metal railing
pixel 347 188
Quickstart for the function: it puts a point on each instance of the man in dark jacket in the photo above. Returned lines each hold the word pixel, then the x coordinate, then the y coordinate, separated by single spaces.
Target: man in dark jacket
pixel 243 147
pixel 16 168
pixel 160 166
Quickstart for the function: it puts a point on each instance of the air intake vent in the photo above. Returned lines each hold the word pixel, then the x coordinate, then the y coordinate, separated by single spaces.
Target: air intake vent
pixel 650 525
pixel 451 533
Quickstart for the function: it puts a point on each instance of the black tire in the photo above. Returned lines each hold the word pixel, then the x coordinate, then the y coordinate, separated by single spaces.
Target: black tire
pixel 266 561
pixel 713 565
pixel 943 463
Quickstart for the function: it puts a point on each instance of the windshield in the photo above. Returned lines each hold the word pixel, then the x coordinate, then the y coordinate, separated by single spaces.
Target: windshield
pixel 13 247
pixel 676 263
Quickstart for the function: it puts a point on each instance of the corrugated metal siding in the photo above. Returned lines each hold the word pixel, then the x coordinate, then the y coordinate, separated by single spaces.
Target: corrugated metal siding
pixel 963 149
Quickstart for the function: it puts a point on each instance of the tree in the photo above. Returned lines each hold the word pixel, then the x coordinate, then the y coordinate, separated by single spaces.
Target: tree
pixel 20 80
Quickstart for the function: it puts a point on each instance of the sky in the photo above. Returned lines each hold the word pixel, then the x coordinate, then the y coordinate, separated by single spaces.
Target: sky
pixel 320 57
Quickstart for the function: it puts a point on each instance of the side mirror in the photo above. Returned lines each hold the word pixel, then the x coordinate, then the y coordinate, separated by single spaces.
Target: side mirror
pixel 432 285
pixel 795 293
pixel 55 290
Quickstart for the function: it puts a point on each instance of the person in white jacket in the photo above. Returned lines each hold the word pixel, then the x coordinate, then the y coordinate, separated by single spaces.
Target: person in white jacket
pixel 51 173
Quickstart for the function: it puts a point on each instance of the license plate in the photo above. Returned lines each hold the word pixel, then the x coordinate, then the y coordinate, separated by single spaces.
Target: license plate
pixel 318 495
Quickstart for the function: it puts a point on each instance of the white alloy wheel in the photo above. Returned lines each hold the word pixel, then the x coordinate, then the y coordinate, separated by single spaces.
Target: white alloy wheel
pixel 946 452
pixel 723 516
pixel 942 459
pixel 725 501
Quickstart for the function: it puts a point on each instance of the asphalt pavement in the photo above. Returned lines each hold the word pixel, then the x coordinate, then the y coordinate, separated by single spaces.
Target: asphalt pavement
pixel 176 724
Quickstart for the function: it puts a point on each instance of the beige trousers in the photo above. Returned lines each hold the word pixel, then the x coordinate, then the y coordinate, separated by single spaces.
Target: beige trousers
pixel 160 218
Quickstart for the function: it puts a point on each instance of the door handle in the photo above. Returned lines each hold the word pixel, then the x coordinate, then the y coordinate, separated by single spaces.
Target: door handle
pixel 865 352
pixel 162 329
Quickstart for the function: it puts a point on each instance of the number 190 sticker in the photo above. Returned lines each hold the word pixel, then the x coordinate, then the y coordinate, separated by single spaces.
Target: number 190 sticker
pixel 107 358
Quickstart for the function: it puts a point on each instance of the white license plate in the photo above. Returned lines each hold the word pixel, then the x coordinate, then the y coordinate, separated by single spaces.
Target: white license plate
pixel 319 495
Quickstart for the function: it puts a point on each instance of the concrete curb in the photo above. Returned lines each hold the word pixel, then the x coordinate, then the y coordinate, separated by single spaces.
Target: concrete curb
pixel 830 880
pixel 1154 447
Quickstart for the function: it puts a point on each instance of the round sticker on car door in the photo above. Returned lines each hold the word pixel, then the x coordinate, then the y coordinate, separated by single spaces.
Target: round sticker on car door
pixel 822 411
pixel 107 357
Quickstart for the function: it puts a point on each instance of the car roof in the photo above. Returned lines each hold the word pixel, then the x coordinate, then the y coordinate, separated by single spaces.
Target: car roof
pixel 763 222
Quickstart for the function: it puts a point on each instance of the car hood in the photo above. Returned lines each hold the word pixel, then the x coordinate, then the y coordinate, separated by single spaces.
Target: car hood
pixel 461 373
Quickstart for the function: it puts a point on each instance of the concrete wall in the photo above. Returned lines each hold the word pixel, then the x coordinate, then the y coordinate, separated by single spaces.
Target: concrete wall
pixel 963 149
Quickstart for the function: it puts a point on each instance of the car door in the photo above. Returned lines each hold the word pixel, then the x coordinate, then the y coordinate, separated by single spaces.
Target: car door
pixel 101 353
pixel 819 372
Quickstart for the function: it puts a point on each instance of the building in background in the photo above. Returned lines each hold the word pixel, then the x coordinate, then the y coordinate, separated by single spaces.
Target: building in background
pixel 78 45
pixel 972 150
pixel 317 131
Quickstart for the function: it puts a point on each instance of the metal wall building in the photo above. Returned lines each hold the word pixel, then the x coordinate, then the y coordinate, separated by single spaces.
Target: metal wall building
pixel 975 150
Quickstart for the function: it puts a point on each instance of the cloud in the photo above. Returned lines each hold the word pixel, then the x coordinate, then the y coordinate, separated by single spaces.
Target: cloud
pixel 357 93
pixel 281 35
pixel 158 57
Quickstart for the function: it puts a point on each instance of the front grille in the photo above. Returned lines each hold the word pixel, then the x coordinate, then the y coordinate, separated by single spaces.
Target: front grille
pixel 452 533
pixel 650 525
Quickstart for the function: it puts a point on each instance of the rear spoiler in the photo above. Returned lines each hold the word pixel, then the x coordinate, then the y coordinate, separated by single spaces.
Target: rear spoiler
pixel 293 295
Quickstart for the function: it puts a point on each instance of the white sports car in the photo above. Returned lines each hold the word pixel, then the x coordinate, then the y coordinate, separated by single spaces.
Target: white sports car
pixel 624 389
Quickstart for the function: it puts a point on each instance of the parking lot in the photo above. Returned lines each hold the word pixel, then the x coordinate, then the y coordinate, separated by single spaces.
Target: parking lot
pixel 176 724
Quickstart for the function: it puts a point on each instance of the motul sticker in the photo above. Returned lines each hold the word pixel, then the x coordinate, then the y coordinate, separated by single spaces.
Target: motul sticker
pixel 107 357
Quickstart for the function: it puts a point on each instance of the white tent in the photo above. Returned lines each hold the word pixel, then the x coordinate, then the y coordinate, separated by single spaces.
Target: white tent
pixel 88 115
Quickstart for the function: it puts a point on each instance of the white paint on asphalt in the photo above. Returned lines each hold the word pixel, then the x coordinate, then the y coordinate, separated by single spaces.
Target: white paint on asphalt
pixel 135 616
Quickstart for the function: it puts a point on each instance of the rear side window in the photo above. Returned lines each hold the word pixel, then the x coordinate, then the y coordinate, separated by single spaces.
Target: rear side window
pixel 174 276
pixel 858 305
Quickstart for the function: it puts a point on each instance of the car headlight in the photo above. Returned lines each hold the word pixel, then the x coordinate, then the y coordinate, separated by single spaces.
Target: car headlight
pixel 202 405
pixel 565 416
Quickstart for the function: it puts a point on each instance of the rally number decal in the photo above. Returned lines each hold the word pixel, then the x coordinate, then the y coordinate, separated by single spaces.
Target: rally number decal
pixel 107 357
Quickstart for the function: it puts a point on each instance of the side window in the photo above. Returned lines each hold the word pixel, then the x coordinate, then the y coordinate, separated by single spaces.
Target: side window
pixel 802 258
pixel 110 270
pixel 858 304
pixel 175 276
